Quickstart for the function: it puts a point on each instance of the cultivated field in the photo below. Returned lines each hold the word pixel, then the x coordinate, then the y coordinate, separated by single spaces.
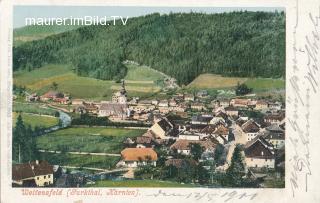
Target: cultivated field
pixel 36 120
pixel 94 139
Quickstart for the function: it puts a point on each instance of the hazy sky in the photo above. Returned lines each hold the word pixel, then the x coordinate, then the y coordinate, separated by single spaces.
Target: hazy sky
pixel 22 12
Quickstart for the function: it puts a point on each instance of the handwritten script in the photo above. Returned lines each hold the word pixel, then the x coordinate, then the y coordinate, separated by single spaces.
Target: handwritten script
pixel 304 83
pixel 208 196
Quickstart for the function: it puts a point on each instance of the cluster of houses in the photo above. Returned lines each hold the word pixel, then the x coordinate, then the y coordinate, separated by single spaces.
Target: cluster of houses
pixel 200 121
pixel 261 139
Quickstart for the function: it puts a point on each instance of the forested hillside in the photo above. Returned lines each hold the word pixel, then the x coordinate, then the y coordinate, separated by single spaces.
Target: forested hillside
pixel 181 45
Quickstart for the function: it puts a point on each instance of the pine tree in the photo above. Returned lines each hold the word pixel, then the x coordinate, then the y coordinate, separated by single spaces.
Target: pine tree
pixel 236 171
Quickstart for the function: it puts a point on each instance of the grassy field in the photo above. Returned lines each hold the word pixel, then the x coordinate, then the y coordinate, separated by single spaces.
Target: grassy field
pixel 142 73
pixel 35 120
pixel 104 162
pixel 34 108
pixel 138 183
pixel 40 81
pixel 107 140
pixel 213 81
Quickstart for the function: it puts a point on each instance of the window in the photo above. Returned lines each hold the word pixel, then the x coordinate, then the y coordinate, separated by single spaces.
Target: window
pixel 45 177
pixel 38 178
pixel 48 176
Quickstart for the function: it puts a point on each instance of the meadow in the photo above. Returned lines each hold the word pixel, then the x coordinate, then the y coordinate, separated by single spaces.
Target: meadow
pixel 98 139
pixel 34 108
pixel 41 80
pixel 93 161
pixel 213 81
pixel 34 120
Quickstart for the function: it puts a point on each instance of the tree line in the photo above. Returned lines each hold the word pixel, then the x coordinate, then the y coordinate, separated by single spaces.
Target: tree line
pixel 182 45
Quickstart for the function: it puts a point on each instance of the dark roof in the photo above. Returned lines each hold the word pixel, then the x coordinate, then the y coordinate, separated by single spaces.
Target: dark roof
pixel 165 124
pixel 201 118
pixel 250 127
pixel 185 144
pixel 31 169
pixel 278 117
pixel 259 148
pixel 230 108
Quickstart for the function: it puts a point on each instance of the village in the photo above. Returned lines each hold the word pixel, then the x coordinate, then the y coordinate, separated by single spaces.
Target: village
pixel 182 132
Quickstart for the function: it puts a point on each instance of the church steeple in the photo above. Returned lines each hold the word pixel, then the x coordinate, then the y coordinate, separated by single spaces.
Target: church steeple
pixel 123 88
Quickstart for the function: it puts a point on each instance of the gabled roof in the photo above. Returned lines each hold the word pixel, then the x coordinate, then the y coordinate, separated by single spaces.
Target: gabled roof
pixel 31 169
pixel 221 130
pixel 137 154
pixel 165 124
pixel 259 148
pixel 185 144
pixel 250 127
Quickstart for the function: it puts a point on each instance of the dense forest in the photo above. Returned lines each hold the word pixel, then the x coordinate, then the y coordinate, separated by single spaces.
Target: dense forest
pixel 182 45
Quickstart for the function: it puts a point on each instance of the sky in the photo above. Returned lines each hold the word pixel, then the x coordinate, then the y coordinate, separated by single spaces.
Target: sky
pixel 22 12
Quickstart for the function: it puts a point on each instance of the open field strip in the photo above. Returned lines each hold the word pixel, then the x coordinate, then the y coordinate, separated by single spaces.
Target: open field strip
pixel 80 161
pixel 34 120
pixel 89 140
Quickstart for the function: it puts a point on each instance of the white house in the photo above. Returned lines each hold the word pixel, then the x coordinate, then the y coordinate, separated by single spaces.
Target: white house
pixel 134 157
pixel 259 153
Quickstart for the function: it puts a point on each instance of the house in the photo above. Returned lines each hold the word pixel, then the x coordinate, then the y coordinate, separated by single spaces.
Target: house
pixel 188 97
pixel 202 93
pixel 188 136
pixel 172 102
pixel 275 106
pixel 120 97
pixel 154 102
pixel 201 119
pixel 217 121
pixel 239 102
pixel 163 103
pixel 250 129
pixel 231 111
pixel 179 108
pixel 275 135
pixel 184 146
pixel 259 153
pixel 221 131
pixel 261 105
pixel 145 142
pixel 163 129
pixel 32 97
pixel 77 101
pixel 274 118
pixel 51 95
pixel 114 110
pixel 134 157
pixel 34 173
pixel 198 106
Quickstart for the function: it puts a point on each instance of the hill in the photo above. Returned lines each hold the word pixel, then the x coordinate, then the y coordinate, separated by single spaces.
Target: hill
pixel 36 32
pixel 181 45
pixel 40 80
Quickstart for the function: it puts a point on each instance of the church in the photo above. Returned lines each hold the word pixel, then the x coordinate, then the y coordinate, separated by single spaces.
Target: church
pixel 117 109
